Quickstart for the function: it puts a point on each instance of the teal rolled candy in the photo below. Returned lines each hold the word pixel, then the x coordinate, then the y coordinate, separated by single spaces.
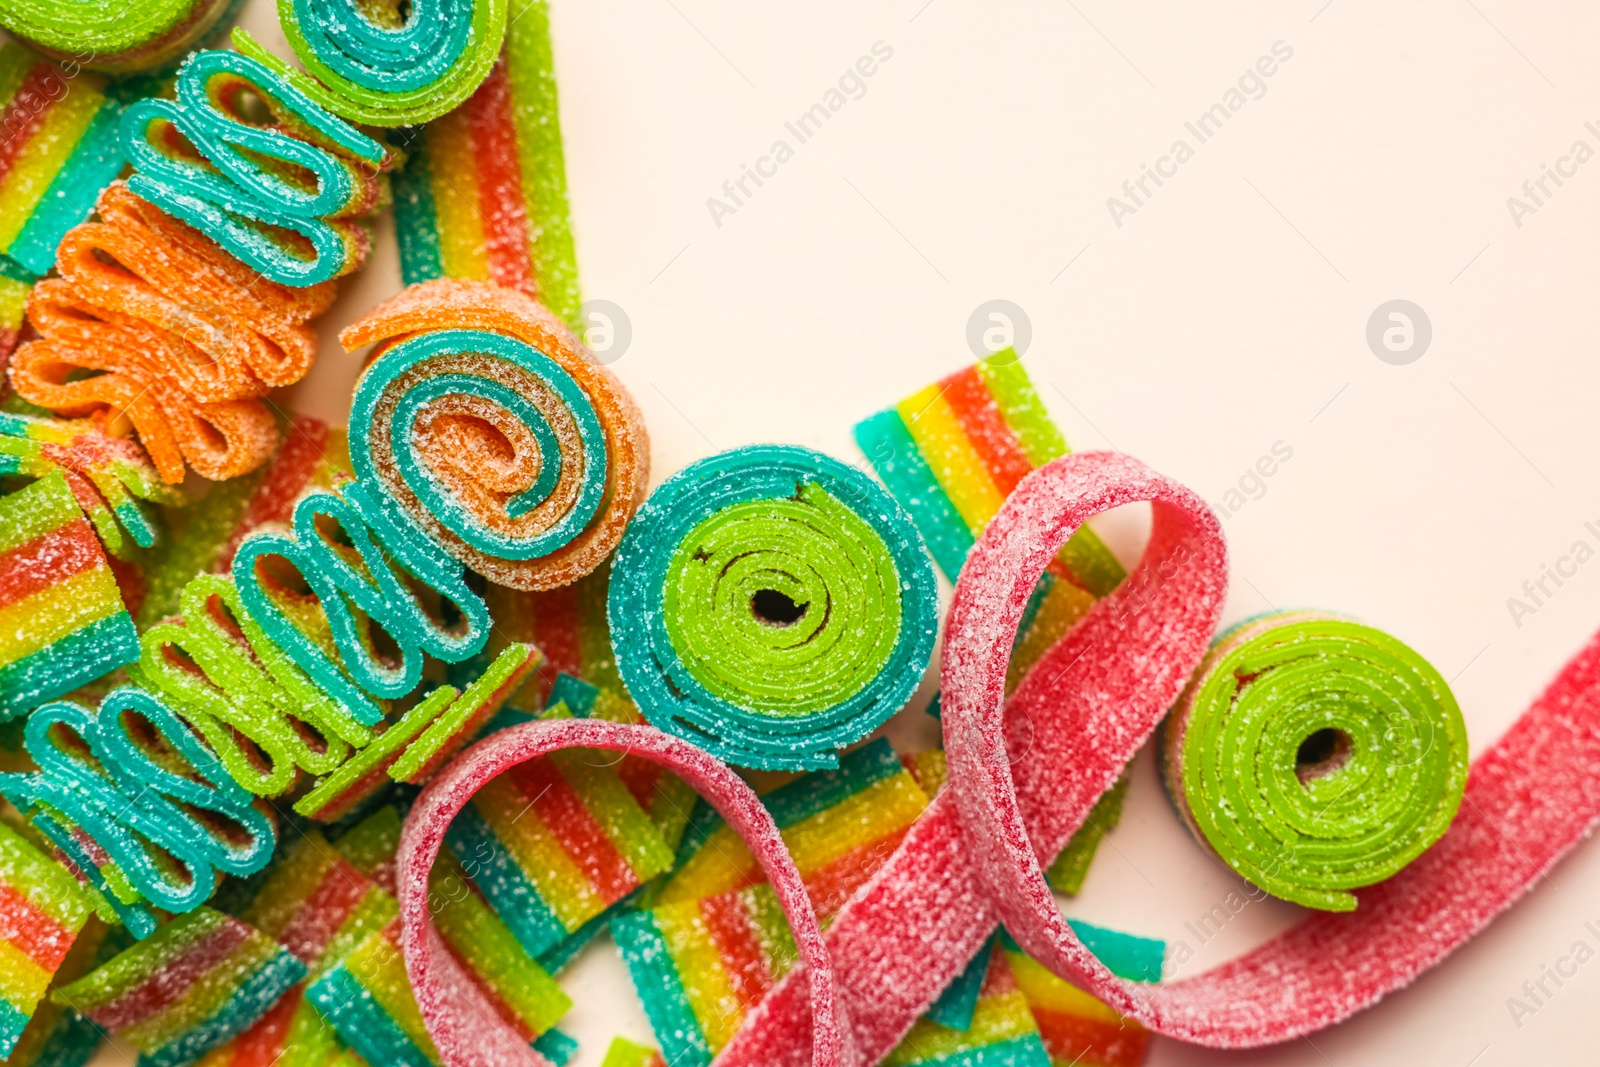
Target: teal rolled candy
pixel 772 604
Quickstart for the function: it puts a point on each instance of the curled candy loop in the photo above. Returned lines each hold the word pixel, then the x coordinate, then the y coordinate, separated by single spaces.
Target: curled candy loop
pixel 454 1012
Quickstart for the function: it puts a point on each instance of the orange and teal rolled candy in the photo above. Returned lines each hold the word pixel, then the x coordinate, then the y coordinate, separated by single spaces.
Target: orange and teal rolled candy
pixel 192 985
pixel 58 148
pixel 63 623
pixel 42 909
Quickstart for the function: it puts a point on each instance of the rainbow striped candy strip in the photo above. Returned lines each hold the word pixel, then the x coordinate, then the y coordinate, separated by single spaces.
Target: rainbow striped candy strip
pixel 42 908
pixel 58 1036
pixel 58 148
pixel 554 843
pixel 62 620
pixel 700 966
pixel 625 1053
pixel 112 478
pixel 839 826
pixel 1076 1027
pixel 484 191
pixel 292 1033
pixel 1002 1031
pixel 189 987
pixel 367 996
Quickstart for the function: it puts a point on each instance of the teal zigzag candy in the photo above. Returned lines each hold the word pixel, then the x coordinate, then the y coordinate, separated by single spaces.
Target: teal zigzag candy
pixel 114 779
pixel 249 183
pixel 771 604
pixel 372 66
pixel 1315 755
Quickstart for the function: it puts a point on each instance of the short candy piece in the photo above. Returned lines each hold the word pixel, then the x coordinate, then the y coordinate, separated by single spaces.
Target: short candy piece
pixel 42 908
pixel 291 1033
pixel 58 149
pixel 777 605
pixel 483 194
pixel 1315 755
pixel 625 1053
pixel 1002 1033
pixel 485 421
pixel 379 67
pixel 62 620
pixel 1075 1027
pixel 57 1036
pixel 115 38
pixel 189 987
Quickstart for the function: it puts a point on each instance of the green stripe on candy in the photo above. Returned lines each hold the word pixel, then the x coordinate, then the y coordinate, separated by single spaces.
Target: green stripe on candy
pixel 95 162
pixel 718 536
pixel 1315 755
pixel 416 218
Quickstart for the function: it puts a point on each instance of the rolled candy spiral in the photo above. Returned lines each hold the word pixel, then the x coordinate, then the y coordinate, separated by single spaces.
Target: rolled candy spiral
pixel 772 604
pixel 282 193
pixel 1315 755
pixel 484 421
pixel 116 38
pixel 372 65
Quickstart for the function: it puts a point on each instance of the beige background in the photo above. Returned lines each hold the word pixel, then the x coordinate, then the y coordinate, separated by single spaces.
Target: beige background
pixel 1227 314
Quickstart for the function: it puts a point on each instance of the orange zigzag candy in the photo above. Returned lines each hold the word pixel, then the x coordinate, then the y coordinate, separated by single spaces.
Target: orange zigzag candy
pixel 186 337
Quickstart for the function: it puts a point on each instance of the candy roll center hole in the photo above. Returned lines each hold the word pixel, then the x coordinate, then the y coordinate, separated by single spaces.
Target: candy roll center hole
pixel 1319 755
pixel 775 608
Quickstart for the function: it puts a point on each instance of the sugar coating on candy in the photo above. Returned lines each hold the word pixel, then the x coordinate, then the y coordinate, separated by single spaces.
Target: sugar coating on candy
pixel 60 149
pixel 111 478
pixel 114 38
pixel 1074 1026
pixel 193 984
pixel 777 605
pixel 58 1036
pixel 483 194
pixel 42 908
pixel 1002 1032
pixel 384 64
pixel 63 623
pixel 184 336
pixel 448 1004
pixel 554 843
pixel 1315 755
pixel 291 1033
pixel 625 1053
pixel 162 816
pixel 561 458
pixel 284 195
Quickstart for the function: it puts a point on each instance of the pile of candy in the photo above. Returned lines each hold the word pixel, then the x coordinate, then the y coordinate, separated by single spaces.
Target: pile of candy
pixel 343 758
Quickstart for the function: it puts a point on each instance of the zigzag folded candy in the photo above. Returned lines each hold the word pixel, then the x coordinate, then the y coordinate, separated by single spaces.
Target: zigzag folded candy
pixel 378 66
pixel 284 195
pixel 483 194
pixel 1315 756
pixel 556 842
pixel 183 336
pixel 839 825
pixel 778 605
pixel 42 908
pixel 58 148
pixel 485 421
pixel 1002 1032
pixel 111 478
pixel 193 984
pixel 63 623
pixel 115 38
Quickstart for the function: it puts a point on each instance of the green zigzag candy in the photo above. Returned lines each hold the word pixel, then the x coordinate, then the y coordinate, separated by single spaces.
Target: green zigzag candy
pixel 760 526
pixel 1315 756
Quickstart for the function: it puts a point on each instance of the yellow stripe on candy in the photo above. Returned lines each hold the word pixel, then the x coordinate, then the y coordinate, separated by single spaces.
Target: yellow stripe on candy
pixel 630 830
pixel 1063 605
pixel 203 999
pixel 699 965
pixel 873 813
pixel 382 973
pixel 955 463
pixel 724 862
pixel 1041 987
pixel 538 853
pixel 51 614
pixel 22 981
pixel 997 1019
pixel 46 153
pixel 455 197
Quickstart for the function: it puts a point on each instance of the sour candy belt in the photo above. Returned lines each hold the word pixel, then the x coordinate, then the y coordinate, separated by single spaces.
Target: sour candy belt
pixel 42 908
pixel 186 989
pixel 1002 1032
pixel 379 67
pixel 453 1015
pixel 284 195
pixel 58 148
pixel 1315 756
pixel 483 194
pixel 488 424
pixel 62 620
pixel 116 38
pixel 777 605
pixel 183 336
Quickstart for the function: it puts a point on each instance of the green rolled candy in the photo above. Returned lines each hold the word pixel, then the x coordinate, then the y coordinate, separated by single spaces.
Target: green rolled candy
pixel 117 38
pixel 1315 755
